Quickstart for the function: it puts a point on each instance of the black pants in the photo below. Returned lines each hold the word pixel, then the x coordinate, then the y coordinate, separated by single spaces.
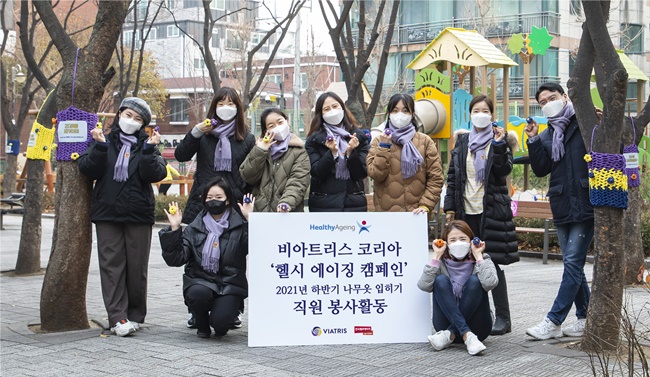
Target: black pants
pixel 212 310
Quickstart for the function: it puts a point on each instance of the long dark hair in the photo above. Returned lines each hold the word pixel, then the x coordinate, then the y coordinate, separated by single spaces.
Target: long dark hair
pixel 459 225
pixel 266 113
pixel 241 128
pixel 220 182
pixel 406 99
pixel 317 121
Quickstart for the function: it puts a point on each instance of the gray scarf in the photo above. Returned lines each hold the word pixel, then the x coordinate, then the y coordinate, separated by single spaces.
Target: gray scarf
pixel 121 170
pixel 211 248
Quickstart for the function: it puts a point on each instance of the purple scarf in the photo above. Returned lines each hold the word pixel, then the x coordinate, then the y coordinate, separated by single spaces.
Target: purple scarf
pixel 223 152
pixel 411 159
pixel 278 149
pixel 121 170
pixel 211 251
pixel 559 124
pixel 340 133
pixel 478 140
pixel 459 272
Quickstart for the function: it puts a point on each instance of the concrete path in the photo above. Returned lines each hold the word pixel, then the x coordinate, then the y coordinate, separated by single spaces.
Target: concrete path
pixel 165 347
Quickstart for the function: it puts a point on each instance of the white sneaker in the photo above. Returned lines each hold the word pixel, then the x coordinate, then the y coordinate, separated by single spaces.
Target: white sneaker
pixel 576 329
pixel 545 330
pixel 474 346
pixel 123 328
pixel 440 340
pixel 135 325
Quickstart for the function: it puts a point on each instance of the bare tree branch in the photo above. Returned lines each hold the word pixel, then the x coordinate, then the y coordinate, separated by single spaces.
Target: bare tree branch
pixel 61 39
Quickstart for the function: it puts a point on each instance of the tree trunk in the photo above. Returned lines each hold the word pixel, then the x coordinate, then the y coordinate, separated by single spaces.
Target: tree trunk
pixel 356 108
pixel 632 242
pixel 29 251
pixel 9 183
pixel 63 298
pixel 604 314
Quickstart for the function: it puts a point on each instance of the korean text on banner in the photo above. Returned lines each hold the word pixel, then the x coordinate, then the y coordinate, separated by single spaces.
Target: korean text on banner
pixel 337 278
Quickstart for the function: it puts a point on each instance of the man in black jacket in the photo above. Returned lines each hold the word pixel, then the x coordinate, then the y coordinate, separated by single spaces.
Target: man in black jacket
pixel 559 151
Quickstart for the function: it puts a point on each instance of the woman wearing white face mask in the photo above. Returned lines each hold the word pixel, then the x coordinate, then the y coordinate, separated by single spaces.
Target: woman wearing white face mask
pixel 459 276
pixel 220 147
pixel 477 193
pixel 337 153
pixel 124 164
pixel 404 164
pixel 277 167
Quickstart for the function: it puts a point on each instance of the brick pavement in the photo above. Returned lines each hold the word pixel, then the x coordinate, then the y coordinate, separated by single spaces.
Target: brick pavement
pixel 164 347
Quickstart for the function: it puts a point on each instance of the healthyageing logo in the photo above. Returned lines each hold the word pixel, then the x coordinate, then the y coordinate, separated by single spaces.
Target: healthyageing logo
pixel 362 226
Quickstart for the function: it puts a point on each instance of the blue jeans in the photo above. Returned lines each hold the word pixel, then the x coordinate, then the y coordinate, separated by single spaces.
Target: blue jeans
pixel 575 239
pixel 472 313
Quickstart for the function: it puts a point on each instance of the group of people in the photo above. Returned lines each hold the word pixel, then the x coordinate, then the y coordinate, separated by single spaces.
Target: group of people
pixel 237 174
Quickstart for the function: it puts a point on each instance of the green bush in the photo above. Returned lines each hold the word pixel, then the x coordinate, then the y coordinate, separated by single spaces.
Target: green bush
pixel 162 203
pixel 535 182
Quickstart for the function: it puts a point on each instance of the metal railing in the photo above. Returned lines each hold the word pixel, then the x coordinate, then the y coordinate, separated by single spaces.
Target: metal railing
pixel 494 27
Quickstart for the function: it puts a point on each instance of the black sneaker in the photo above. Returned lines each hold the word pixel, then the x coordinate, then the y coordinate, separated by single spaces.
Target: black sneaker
pixel 191 323
pixel 237 322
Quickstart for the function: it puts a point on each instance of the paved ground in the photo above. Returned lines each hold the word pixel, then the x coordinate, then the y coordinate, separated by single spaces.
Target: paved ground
pixel 164 347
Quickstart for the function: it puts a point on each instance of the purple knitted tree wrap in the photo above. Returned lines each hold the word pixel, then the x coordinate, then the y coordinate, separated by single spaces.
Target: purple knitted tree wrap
pixel 633 175
pixel 65 150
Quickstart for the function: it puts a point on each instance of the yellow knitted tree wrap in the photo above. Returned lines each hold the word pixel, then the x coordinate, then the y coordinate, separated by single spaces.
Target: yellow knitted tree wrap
pixel 42 138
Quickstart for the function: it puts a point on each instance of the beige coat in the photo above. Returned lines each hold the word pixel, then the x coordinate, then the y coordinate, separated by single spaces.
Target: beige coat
pixel 391 191
pixel 284 180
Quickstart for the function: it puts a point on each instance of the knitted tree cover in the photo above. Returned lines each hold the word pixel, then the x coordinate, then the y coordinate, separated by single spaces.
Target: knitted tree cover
pixel 40 142
pixel 633 174
pixel 65 150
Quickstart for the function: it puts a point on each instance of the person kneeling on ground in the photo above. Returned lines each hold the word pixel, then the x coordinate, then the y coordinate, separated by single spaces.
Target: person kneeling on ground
pixel 459 276
pixel 213 249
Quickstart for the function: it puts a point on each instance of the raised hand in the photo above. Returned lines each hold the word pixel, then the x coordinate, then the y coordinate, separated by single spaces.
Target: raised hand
pixel 247 207
pixel 174 215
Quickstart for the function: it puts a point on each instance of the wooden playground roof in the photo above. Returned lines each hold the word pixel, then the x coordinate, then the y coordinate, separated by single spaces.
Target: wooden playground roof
pixel 460 46
pixel 633 72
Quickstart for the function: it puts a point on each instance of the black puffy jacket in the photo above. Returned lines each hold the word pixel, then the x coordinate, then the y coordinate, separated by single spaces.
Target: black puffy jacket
pixel 327 193
pixel 497 227
pixel 568 189
pixel 204 148
pixel 185 247
pixel 131 201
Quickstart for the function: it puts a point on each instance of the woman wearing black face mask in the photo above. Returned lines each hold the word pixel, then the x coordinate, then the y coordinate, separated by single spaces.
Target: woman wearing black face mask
pixel 213 249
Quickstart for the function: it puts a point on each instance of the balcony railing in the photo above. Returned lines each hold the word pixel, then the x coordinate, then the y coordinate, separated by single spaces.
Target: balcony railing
pixel 497 27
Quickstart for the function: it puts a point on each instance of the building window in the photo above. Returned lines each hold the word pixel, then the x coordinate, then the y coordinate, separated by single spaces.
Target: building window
pixel 276 79
pixel 172 31
pixel 153 33
pixel 171 4
pixel 199 63
pixel 632 38
pixel 304 81
pixel 179 110
pixel 141 9
pixel 218 4
pixel 233 41
pixel 214 41
pixel 575 8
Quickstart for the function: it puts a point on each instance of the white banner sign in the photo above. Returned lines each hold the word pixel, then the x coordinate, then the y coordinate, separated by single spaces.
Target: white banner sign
pixel 72 131
pixel 337 278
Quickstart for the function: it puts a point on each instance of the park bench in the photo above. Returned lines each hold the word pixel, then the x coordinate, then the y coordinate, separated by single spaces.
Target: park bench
pixel 537 210
pixel 17 199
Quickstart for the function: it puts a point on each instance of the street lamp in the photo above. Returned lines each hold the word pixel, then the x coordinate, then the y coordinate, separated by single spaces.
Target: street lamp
pixel 16 75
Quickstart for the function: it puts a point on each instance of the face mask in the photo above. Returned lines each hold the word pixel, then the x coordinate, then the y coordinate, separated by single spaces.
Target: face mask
pixel 281 132
pixel 481 120
pixel 400 120
pixel 129 126
pixel 553 108
pixel 334 117
pixel 216 207
pixel 226 113
pixel 459 249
